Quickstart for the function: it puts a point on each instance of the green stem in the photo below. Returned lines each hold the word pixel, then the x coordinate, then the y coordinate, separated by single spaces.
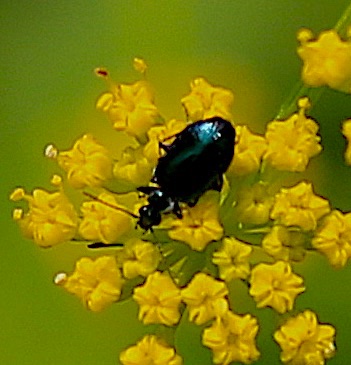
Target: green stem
pixel 300 90
pixel 345 21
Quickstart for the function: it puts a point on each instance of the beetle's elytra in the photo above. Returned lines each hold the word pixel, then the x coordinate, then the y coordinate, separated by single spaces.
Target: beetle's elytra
pixel 194 163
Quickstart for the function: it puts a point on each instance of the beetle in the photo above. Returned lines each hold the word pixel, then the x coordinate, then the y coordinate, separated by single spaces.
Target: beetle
pixel 193 163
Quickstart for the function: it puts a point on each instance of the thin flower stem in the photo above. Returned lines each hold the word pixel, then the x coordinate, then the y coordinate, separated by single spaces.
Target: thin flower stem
pixel 345 20
pixel 300 90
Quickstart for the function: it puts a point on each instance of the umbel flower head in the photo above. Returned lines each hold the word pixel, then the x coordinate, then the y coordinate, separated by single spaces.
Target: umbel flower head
pixel 187 267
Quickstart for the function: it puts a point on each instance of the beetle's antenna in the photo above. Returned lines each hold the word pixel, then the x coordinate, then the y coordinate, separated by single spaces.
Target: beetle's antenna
pixel 110 205
pixel 104 245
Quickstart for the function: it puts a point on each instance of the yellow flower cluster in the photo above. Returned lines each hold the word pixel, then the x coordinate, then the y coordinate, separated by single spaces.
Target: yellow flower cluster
pixel 326 59
pixel 51 218
pixel 304 341
pixel 253 230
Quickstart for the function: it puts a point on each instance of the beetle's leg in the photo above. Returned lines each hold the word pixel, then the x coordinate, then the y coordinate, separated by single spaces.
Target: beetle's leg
pixel 177 211
pixel 165 147
pixel 218 183
pixel 147 189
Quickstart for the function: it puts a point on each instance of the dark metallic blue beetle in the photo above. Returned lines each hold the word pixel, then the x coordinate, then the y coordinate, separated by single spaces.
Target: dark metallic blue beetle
pixel 194 163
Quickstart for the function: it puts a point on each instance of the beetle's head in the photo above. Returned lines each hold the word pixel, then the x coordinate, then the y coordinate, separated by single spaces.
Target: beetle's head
pixel 149 216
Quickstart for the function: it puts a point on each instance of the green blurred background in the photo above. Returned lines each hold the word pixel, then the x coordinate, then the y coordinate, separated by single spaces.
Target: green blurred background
pixel 48 91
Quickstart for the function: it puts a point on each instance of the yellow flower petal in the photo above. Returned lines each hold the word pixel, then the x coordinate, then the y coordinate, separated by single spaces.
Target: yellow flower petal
pixel 149 351
pixel 199 225
pixel 304 341
pixel 292 142
pixel 233 259
pixel 87 164
pixel 207 101
pixel 333 238
pixel 299 206
pixel 97 283
pixel 326 60
pixel 232 339
pixel 159 300
pixel 205 298
pixel 275 286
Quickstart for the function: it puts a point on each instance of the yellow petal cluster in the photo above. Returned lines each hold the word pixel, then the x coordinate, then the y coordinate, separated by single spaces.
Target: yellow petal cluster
pixel 130 108
pixel 299 206
pixel 159 299
pixel 87 164
pixel 249 149
pixel 275 286
pixel 232 339
pixel 164 133
pixel 326 60
pixel 254 204
pixel 135 166
pixel 304 341
pixel 232 259
pixel 101 222
pixel 205 298
pixel 97 283
pixel 139 258
pixel 283 244
pixel 150 350
pixel 199 225
pixel 333 238
pixel 51 218
pixel 207 101
pixel 292 142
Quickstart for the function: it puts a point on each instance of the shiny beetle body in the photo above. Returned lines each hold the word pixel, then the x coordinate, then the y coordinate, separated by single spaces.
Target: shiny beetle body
pixel 194 163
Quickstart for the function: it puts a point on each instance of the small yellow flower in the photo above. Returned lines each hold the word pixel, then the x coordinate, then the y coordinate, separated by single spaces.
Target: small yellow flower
pixel 326 60
pixel 275 286
pixel 135 166
pixel 139 65
pixel 51 218
pixel 199 225
pixel 333 238
pixel 249 149
pixel 162 133
pixel 103 223
pixel 87 164
pixel 207 101
pixel 97 283
pixel 292 142
pixel 159 299
pixel 130 108
pixel 346 131
pixel 139 258
pixel 299 206
pixel 254 204
pixel 282 244
pixel 232 339
pixel 233 259
pixel 304 341
pixel 205 298
pixel 150 351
